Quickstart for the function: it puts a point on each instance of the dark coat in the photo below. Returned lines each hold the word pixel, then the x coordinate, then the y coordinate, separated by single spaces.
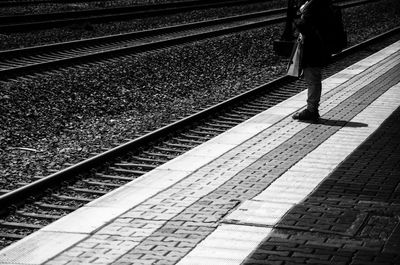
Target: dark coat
pixel 313 25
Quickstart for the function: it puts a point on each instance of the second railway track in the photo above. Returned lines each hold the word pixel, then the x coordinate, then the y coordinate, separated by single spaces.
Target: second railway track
pixel 36 204
pixel 39 58
pixel 17 62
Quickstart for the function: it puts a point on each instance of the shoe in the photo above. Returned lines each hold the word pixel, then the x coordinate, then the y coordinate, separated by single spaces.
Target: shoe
pixel 306 115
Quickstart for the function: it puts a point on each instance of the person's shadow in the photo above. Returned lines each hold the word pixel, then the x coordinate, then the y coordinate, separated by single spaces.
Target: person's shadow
pixel 339 123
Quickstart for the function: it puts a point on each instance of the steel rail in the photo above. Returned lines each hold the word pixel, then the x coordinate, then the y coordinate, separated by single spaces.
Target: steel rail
pixel 20 195
pixel 18 23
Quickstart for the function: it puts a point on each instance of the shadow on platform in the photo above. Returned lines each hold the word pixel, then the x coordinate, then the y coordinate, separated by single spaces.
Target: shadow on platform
pixel 338 123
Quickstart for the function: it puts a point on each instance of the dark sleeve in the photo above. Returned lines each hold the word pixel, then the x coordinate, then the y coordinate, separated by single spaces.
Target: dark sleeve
pixel 306 24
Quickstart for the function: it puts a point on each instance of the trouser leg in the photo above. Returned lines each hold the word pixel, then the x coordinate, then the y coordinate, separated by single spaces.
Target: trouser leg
pixel 313 78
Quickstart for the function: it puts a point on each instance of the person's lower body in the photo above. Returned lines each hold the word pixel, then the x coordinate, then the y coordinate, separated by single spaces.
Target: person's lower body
pixel 313 78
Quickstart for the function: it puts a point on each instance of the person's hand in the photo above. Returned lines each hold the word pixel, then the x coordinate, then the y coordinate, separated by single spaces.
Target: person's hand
pixel 304 7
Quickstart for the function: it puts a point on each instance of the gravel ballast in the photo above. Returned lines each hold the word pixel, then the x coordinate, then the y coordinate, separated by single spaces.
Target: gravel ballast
pixel 52 120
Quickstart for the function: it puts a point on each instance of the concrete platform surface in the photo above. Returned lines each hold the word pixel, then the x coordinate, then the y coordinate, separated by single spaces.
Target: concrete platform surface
pixel 269 191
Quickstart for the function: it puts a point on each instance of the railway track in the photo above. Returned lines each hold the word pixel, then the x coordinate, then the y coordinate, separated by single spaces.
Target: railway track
pixel 17 23
pixel 28 61
pixel 37 204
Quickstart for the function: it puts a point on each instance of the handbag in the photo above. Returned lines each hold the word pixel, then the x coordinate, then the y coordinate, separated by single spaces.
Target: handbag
pixel 294 66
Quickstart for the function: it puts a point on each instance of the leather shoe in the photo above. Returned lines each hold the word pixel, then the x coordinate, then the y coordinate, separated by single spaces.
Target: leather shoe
pixel 306 115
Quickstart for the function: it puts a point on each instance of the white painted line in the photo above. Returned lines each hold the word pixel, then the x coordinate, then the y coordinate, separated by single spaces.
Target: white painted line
pixel 228 245
pixel 256 212
pixel 42 246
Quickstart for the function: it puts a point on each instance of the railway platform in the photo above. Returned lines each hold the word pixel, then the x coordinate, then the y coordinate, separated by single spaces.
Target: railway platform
pixel 271 190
